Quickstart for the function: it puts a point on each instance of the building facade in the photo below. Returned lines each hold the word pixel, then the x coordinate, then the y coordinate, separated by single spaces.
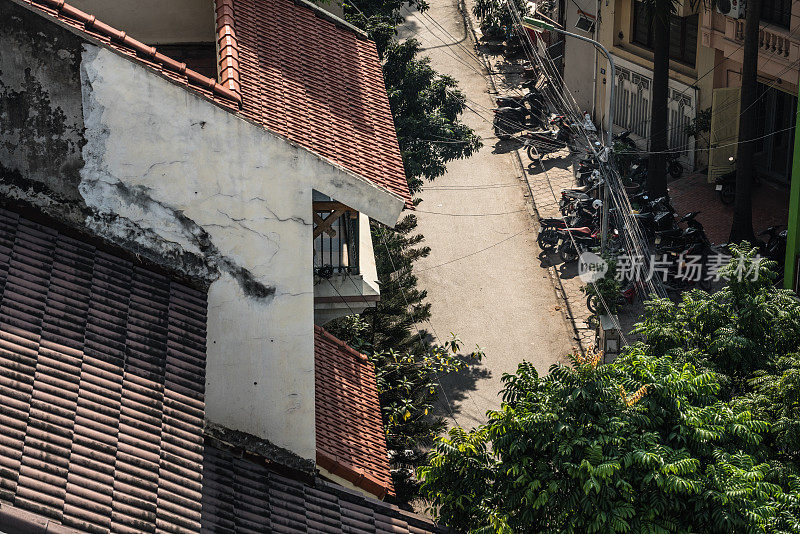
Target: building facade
pixel 184 186
pixel 625 30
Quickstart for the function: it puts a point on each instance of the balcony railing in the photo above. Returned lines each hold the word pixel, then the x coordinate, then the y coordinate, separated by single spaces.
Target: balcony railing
pixel 774 42
pixel 335 239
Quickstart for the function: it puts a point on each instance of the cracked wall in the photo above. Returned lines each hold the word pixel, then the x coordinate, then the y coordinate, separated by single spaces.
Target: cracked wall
pixel 156 169
pixel 201 180
pixel 41 123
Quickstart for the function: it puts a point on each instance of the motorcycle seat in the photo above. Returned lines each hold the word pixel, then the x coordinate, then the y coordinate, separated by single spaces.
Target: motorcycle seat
pixel 552 222
pixel 579 189
pixel 673 232
pixel 580 230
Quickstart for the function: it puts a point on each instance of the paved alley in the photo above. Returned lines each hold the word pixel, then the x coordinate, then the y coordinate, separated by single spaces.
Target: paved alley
pixel 484 276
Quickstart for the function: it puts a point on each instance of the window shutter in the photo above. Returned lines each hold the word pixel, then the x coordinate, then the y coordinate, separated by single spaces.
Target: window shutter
pixel 724 130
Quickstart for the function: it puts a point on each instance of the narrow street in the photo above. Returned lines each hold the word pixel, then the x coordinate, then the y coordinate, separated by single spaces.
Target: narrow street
pixel 484 277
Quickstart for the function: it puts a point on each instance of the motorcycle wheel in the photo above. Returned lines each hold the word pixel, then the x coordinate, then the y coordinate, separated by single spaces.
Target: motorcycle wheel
pixel 547 239
pixel 727 194
pixel 532 154
pixel 592 304
pixel 567 252
pixel 675 169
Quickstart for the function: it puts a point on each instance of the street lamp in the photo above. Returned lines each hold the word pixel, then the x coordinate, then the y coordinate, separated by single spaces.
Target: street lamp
pixel 542 25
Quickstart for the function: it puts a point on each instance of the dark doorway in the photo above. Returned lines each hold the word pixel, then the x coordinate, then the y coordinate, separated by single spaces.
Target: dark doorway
pixel 775 130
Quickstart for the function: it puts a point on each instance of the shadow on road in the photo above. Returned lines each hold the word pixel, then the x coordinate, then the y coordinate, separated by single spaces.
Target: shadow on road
pixel 504 146
pixel 568 271
pixel 458 387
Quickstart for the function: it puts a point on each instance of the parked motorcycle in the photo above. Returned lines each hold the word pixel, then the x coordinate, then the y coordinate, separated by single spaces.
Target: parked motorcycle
pixel 725 184
pixel 543 142
pixel 677 238
pixel 574 241
pixel 775 248
pixel 627 295
pixel 515 114
pixel 674 167
pixel 550 232
pixel 583 193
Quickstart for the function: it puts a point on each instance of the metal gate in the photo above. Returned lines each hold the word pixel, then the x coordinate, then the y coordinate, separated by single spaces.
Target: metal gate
pixel 632 96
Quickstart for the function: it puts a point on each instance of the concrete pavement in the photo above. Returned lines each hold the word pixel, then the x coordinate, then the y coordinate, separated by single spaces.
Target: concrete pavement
pixel 484 278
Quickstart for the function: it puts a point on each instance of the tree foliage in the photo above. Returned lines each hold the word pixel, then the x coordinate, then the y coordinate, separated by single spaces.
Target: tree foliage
pixel 495 17
pixel 426 107
pixel 693 430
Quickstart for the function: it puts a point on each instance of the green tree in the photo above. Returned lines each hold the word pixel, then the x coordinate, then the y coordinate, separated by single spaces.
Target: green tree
pixel 682 433
pixel 495 17
pixel 380 18
pixel 427 107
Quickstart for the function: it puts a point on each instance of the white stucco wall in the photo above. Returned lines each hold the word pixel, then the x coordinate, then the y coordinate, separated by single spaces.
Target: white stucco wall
pixel 204 180
pixel 579 56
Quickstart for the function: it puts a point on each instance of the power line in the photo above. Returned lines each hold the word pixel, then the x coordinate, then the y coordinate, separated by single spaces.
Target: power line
pixel 471 253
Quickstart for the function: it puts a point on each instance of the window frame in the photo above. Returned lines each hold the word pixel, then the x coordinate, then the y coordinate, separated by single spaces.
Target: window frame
pixel 684 24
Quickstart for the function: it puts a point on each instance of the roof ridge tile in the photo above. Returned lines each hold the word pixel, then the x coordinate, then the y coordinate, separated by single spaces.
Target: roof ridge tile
pixel 61 7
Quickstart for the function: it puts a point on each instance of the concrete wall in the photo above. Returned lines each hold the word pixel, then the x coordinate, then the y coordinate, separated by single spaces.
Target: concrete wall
pixel 579 56
pixel 164 173
pixel 615 33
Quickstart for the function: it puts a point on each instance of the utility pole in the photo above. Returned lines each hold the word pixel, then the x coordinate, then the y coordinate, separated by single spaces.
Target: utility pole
pixel 793 224
pixel 541 25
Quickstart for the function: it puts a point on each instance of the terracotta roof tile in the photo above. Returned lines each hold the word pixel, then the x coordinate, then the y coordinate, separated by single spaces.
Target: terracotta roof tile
pixel 315 81
pixel 226 94
pixel 242 494
pixel 350 437
pixel 291 69
pixel 102 371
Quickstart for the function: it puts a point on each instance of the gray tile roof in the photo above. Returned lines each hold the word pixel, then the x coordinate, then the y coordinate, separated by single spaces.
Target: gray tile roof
pixel 242 494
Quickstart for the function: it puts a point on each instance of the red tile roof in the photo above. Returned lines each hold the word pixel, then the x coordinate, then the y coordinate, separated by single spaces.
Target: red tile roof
pixel 350 439
pixel 102 368
pixel 319 83
pixel 148 55
pixel 293 69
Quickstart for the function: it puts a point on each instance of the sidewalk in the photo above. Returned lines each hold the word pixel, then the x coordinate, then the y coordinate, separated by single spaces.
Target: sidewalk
pixel 694 193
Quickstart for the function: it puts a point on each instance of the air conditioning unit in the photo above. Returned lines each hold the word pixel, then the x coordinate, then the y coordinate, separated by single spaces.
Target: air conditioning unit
pixel 732 8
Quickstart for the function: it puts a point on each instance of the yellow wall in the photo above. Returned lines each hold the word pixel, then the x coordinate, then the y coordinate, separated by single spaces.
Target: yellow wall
pixel 616 17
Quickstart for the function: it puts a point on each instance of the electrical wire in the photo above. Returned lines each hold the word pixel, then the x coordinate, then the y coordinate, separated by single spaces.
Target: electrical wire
pixel 471 253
